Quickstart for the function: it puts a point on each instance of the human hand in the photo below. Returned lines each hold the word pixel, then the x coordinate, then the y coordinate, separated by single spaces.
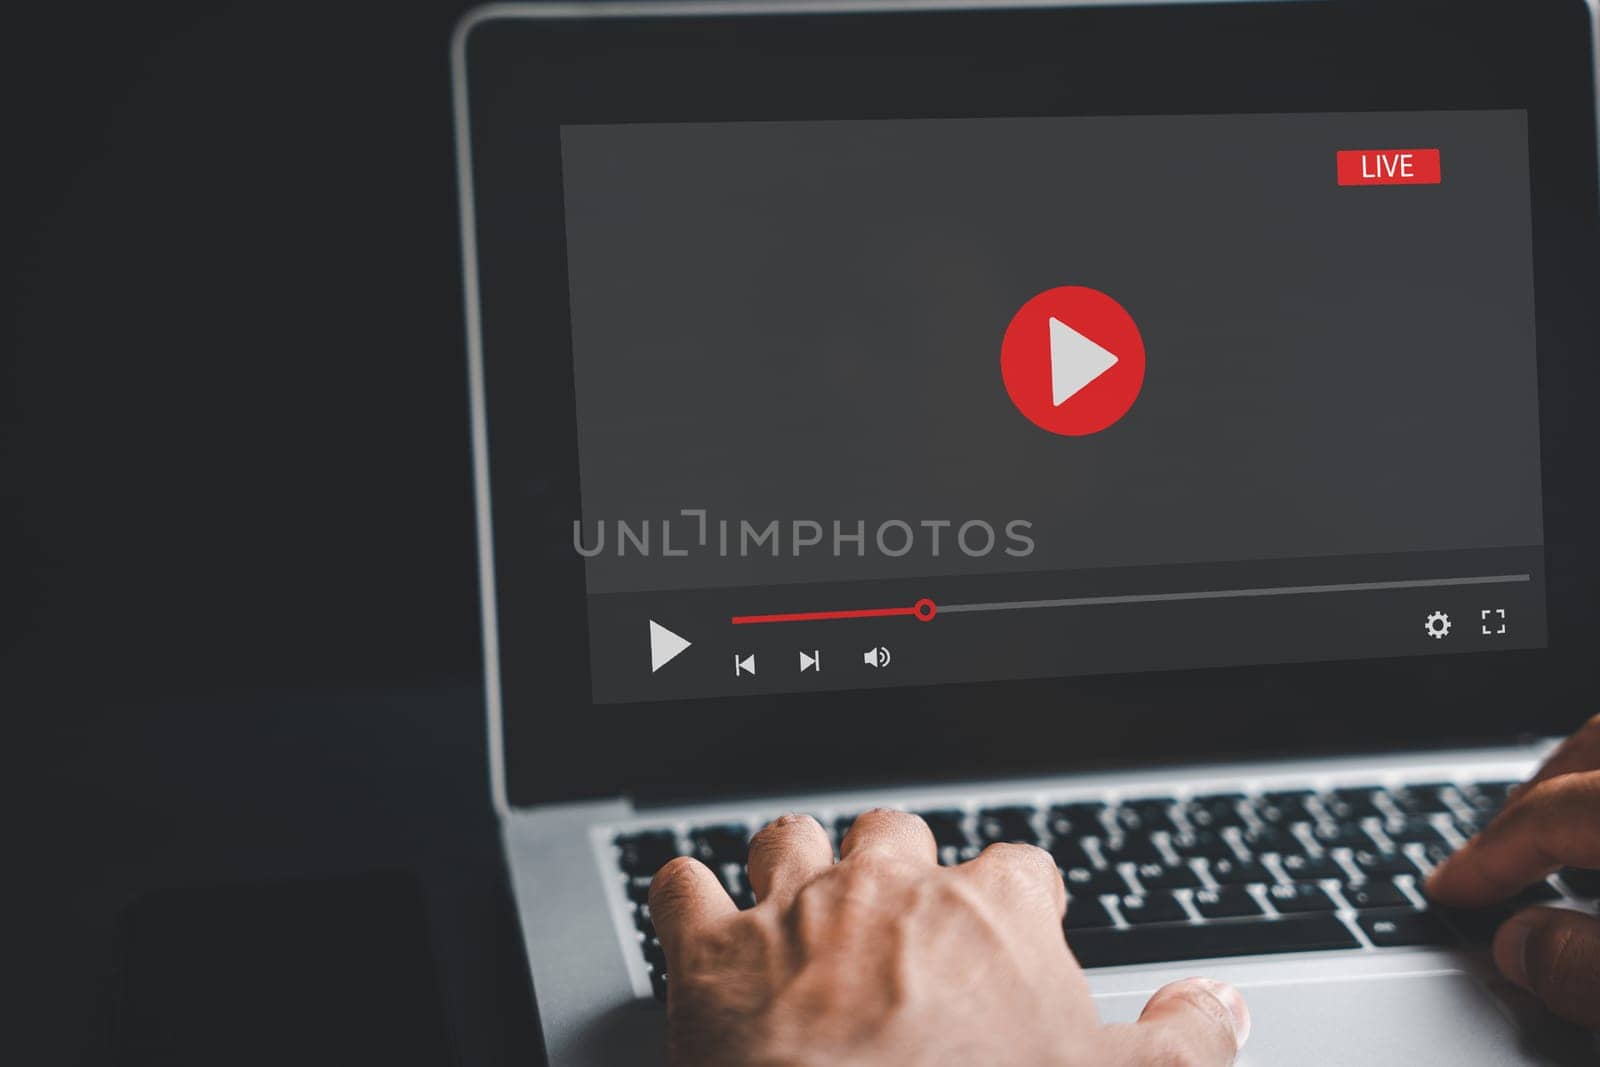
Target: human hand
pixel 1551 821
pixel 887 958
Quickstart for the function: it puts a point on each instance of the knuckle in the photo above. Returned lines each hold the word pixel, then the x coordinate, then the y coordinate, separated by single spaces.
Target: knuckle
pixel 784 827
pixel 886 818
pixel 1025 861
pixel 1006 852
pixel 887 825
pixel 812 915
pixel 870 868
pixel 946 897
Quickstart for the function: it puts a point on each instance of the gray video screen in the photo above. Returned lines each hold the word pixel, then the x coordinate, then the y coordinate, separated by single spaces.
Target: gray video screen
pixel 800 323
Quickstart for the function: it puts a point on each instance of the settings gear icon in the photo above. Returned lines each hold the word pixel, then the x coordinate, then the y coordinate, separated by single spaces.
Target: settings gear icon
pixel 1438 626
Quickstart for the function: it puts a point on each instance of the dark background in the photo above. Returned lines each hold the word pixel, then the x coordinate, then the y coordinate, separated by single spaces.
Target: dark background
pixel 243 736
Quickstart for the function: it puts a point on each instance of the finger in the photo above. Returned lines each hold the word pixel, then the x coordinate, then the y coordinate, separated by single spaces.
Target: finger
pixel 786 854
pixel 684 897
pixel 1554 954
pixel 1020 874
pixel 892 833
pixel 1195 1021
pixel 1556 823
pixel 1579 752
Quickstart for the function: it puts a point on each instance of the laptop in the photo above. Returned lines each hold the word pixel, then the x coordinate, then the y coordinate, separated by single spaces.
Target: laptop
pixel 1158 433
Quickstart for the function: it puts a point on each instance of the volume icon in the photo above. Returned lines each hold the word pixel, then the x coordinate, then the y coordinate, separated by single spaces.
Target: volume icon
pixel 876 657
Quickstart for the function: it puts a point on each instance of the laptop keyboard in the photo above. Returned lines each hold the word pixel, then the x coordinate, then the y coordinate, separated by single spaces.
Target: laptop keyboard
pixel 1161 878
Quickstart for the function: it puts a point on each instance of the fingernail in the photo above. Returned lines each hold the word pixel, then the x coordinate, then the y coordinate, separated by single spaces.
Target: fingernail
pixel 1233 1000
pixel 1511 948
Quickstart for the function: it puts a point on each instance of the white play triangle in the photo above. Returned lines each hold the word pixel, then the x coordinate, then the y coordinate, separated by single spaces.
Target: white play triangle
pixel 664 646
pixel 1075 361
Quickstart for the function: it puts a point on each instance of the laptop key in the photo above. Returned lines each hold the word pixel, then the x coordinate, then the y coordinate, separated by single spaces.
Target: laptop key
pixel 1215 811
pixel 1376 864
pixel 1332 835
pixel 1198 941
pixel 1583 883
pixel 1365 896
pixel 1069 853
pixel 1310 868
pixel 1348 805
pixel 654 955
pixel 955 855
pixel 1299 897
pixel 1405 928
pixel 736 882
pixel 1076 820
pixel 645 853
pixel 1144 815
pixel 1427 799
pixel 1130 850
pixel 1479 924
pixel 720 844
pixel 1226 902
pixel 1270 838
pixel 1086 913
pixel 1412 830
pixel 1160 876
pixel 948 826
pixel 1201 844
pixel 1537 893
pixel 1284 807
pixel 1157 907
pixel 1007 824
pixel 1094 881
pixel 1230 871
pixel 1487 797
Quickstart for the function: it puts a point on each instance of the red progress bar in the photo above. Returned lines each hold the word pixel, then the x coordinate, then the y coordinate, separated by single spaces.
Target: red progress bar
pixel 923 609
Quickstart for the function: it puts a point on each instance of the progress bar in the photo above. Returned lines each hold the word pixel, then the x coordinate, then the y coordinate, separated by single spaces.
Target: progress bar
pixel 1235 594
pixel 923 609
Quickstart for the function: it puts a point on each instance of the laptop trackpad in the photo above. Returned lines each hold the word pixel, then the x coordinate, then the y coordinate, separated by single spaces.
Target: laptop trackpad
pixel 1391 1019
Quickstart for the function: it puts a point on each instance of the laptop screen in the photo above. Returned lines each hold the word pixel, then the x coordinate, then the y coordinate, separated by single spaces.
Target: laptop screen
pixel 900 395
pixel 869 404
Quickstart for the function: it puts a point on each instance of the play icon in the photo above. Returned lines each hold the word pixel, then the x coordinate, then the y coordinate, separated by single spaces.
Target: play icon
pixel 1072 360
pixel 664 646
pixel 1075 361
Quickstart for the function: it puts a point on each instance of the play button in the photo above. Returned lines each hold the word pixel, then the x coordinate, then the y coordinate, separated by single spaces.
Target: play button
pixel 664 646
pixel 1075 361
pixel 1072 360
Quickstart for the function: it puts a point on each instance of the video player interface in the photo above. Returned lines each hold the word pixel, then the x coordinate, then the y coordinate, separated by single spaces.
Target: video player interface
pixel 909 402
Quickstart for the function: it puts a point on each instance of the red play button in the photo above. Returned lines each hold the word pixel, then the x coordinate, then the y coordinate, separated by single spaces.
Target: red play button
pixel 1073 360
